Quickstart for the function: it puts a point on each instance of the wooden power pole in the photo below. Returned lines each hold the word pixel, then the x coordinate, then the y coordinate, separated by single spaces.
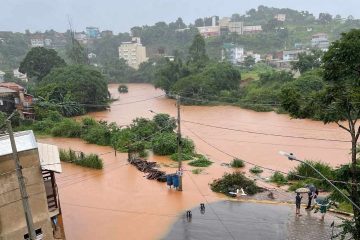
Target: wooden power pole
pixel 22 187
pixel 180 170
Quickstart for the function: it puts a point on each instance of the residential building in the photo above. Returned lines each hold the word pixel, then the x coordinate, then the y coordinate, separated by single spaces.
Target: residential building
pixel 92 32
pixel 291 55
pixel 224 25
pixel 133 52
pixel 14 97
pixel 39 162
pixel 106 33
pixel 81 37
pixel 236 27
pixel 252 29
pixel 256 56
pixel 37 41
pixel 2 75
pixel 280 17
pixel 320 40
pixel 209 31
pixel 47 42
pixel 20 75
pixel 232 53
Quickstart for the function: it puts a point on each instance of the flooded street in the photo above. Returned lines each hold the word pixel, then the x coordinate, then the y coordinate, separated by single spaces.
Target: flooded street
pixel 119 203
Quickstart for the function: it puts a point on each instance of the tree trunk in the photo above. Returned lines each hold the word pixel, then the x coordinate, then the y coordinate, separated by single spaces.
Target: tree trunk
pixel 354 188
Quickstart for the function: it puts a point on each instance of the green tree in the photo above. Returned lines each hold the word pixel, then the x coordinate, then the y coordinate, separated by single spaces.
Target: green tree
pixel 340 101
pixel 78 83
pixel 197 52
pixel 249 62
pixel 308 61
pixel 39 62
pixel 164 122
pixel 76 52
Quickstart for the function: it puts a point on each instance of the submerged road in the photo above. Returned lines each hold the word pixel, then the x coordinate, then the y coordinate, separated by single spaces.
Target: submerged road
pixel 229 220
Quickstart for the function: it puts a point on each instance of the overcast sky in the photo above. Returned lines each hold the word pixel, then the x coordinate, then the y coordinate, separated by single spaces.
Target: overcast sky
pixel 121 15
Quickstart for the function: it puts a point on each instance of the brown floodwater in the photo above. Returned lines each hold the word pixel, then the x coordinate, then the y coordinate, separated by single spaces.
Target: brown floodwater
pixel 119 203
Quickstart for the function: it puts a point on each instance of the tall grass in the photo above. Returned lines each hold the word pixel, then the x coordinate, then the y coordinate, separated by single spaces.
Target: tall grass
pixel 90 161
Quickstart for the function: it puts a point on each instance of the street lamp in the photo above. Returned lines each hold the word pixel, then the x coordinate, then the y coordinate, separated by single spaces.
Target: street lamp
pixel 292 157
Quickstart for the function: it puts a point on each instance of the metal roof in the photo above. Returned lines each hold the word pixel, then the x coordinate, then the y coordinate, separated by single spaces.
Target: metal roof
pixel 6 90
pixel 24 141
pixel 48 154
pixel 49 157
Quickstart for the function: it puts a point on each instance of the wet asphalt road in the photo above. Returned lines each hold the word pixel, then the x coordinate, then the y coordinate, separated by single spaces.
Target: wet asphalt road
pixel 230 220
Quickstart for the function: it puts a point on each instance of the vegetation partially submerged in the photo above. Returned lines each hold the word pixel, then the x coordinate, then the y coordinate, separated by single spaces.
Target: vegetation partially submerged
pixel 237 163
pixel 82 159
pixel 232 181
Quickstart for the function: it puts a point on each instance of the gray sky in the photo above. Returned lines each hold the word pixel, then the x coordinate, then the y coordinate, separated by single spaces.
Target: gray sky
pixel 121 15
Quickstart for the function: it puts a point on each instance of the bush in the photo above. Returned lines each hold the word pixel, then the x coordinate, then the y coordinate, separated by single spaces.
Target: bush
pixel 201 161
pixel 256 170
pixel 91 161
pixel 123 88
pixel 164 122
pixel 187 146
pixel 197 170
pixel 44 126
pixel 306 171
pixel 278 178
pixel 164 143
pixel 237 163
pixel 67 128
pixel 98 134
pixel 232 181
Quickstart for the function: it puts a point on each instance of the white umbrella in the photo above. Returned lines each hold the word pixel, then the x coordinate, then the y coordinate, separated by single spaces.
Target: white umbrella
pixel 302 190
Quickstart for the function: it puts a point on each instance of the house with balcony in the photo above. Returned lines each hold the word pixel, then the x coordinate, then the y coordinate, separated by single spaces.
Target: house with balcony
pixel 14 97
pixel 40 163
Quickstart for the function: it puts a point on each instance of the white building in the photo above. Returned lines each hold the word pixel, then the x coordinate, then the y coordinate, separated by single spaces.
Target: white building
pixel 252 29
pixel 20 75
pixel 133 52
pixel 2 74
pixel 320 40
pixel 37 42
pixel 280 17
pixel 291 55
pixel 232 53
pixel 209 31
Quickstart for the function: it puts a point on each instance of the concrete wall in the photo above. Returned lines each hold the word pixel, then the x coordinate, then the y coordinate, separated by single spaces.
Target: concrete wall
pixel 12 219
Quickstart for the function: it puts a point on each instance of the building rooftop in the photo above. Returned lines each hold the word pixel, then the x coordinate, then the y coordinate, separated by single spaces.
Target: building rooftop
pixel 12 85
pixel 6 90
pixel 25 140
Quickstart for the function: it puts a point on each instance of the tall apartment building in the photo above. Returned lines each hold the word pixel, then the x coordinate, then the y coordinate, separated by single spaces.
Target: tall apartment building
pixel 38 162
pixel 133 52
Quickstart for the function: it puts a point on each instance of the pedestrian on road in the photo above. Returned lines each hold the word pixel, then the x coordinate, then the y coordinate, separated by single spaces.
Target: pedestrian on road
pixel 298 203
pixel 312 194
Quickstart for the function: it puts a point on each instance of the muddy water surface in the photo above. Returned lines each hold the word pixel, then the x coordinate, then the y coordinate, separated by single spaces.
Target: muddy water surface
pixel 119 203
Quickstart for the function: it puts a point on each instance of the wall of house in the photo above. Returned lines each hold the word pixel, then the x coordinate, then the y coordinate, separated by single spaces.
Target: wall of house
pixel 12 219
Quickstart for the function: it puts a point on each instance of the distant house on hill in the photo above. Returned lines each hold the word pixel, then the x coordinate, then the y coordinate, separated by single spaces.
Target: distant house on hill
pixel 320 40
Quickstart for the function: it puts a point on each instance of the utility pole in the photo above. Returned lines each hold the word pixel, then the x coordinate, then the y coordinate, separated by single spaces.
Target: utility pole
pixel 22 187
pixel 179 142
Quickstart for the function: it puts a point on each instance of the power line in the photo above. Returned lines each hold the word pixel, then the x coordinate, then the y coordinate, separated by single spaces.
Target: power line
pixel 266 168
pixel 267 134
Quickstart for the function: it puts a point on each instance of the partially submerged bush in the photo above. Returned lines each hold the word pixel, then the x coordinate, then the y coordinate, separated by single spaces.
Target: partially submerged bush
pixel 197 170
pixel 201 161
pixel 278 178
pixel 184 156
pixel 164 143
pixel 67 128
pixel 91 160
pixel 232 181
pixel 237 163
pixel 256 170
pixel 123 88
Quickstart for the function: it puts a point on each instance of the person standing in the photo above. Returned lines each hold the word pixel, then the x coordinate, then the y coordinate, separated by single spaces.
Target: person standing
pixel 298 203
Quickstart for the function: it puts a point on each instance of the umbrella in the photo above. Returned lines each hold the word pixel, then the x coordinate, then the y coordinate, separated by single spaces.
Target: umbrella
pixel 302 190
pixel 311 187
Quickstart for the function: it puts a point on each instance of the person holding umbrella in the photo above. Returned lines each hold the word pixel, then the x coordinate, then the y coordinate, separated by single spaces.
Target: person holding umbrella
pixel 312 193
pixel 298 199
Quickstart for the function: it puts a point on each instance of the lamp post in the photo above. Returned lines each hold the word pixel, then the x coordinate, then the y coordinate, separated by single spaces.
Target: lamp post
pixel 292 157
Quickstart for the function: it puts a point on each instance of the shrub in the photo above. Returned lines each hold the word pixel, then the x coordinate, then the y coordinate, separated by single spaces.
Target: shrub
pixel 123 88
pixel 201 161
pixel 184 156
pixel 237 163
pixel 97 134
pixel 187 145
pixel 67 128
pixel 164 143
pixel 278 178
pixel 91 161
pixel 164 122
pixel 232 181
pixel 256 170
pixel 44 126
pixel 197 170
